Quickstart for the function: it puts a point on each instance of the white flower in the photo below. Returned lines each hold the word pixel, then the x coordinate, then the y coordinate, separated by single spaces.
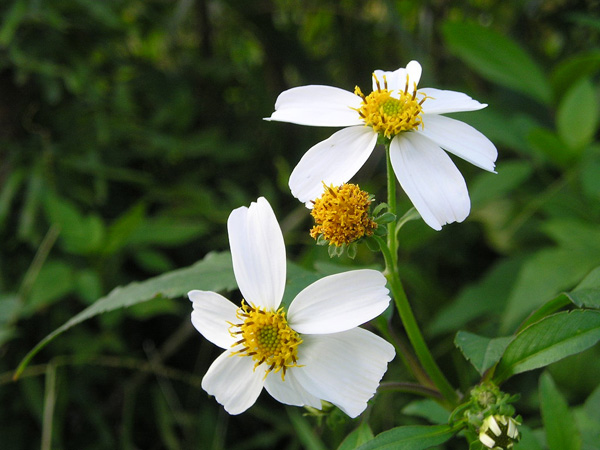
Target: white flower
pixel 411 118
pixel 499 432
pixel 312 352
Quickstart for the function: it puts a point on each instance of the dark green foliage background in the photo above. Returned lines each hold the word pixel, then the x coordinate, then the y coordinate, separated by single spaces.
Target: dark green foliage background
pixel 129 129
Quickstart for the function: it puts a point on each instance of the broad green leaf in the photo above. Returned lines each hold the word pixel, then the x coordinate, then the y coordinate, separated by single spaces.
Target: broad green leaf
pixel 569 71
pixel 166 231
pixel 544 275
pixel 358 437
pixel 497 58
pixel 416 437
pixel 561 432
pixel 590 168
pixel 481 351
pixel 549 340
pixel 528 440
pixel 548 143
pixel 213 273
pixel 489 186
pixel 573 234
pixel 55 280
pixel 587 293
pixel 483 297
pixel 550 307
pixel 79 234
pixel 427 409
pixel 577 116
pixel 119 231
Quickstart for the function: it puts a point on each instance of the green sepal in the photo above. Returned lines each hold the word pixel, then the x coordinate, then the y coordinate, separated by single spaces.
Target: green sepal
pixel 386 217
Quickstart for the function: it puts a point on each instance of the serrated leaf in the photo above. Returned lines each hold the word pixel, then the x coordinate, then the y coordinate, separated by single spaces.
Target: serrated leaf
pixel 481 351
pixel 213 273
pixel 417 437
pixel 577 116
pixel 549 340
pixel 561 432
pixel 497 58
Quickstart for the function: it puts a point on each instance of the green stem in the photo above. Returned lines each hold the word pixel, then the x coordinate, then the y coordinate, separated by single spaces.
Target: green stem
pixel 411 327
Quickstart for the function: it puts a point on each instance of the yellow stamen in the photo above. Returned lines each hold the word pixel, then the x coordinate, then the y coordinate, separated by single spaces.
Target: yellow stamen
pixel 267 338
pixel 390 112
pixel 342 215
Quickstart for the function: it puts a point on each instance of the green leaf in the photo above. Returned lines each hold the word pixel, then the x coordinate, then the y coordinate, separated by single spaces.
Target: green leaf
pixel 358 437
pixel 548 143
pixel 166 231
pixel 213 273
pixel 79 234
pixel 559 423
pixel 483 297
pixel 550 307
pixel 543 276
pixel 304 431
pixel 489 186
pixel 549 340
pixel 590 168
pixel 481 351
pixel 497 58
pixel 577 116
pixel 427 409
pixel 416 437
pixel 587 293
pixel 528 440
pixel 569 71
pixel 55 280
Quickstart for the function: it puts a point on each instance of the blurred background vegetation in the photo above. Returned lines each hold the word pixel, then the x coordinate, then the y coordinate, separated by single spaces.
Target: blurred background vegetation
pixel 129 129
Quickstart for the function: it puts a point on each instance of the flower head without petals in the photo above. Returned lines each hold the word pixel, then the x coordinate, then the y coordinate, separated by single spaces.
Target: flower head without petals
pixel 342 215
pixel 313 351
pixel 411 119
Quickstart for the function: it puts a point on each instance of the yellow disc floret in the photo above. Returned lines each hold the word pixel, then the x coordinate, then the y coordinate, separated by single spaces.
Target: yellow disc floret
pixel 266 337
pixel 391 112
pixel 342 215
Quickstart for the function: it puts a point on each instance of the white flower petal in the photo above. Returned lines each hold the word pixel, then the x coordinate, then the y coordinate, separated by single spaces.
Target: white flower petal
pixel 258 254
pixel 460 139
pixel 211 315
pixel 396 81
pixel 290 392
pixel 325 106
pixel 233 382
pixel 332 161
pixel 442 101
pixel 343 368
pixel 339 302
pixel 430 179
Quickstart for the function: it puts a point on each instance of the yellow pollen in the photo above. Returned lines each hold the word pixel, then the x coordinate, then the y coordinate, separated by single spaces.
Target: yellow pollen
pixel 266 337
pixel 389 114
pixel 342 215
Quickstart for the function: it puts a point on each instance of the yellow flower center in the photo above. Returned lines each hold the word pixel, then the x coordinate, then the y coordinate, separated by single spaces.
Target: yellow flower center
pixel 342 215
pixel 389 114
pixel 266 337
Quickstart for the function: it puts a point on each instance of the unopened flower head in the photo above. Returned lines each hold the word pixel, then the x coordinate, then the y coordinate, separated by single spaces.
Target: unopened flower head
pixel 342 215
pixel 411 119
pixel 314 351
pixel 499 432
